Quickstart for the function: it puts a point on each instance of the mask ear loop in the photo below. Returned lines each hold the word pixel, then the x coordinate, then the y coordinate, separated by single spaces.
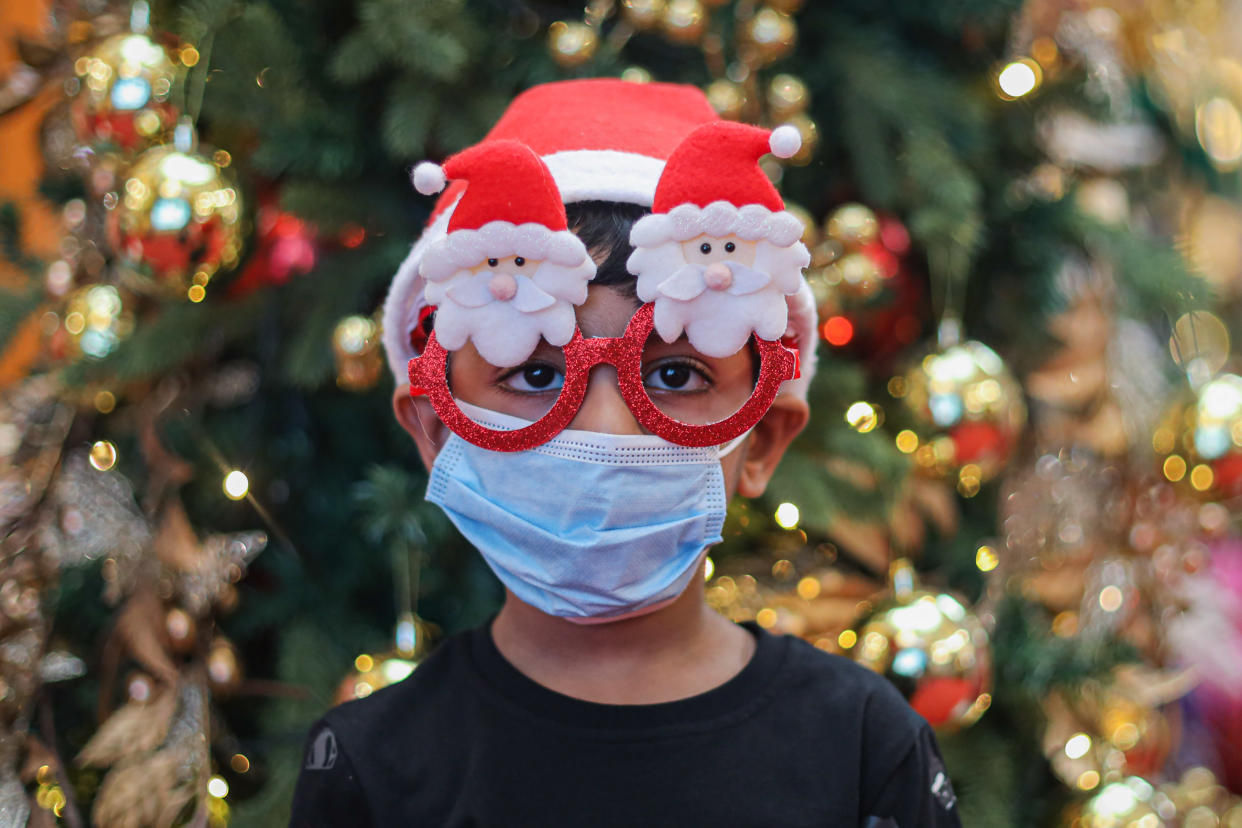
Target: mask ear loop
pixel 729 447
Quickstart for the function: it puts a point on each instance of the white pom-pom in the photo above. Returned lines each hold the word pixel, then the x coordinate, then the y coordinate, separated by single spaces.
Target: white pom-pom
pixel 785 141
pixel 428 178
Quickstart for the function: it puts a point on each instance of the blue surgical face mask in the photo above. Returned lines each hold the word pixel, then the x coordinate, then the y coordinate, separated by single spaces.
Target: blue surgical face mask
pixel 590 527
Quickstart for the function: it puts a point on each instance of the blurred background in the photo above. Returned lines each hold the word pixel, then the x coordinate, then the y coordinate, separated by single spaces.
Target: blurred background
pixel 1018 497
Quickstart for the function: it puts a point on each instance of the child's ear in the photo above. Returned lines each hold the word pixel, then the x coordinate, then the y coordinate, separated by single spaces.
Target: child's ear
pixel 771 436
pixel 421 421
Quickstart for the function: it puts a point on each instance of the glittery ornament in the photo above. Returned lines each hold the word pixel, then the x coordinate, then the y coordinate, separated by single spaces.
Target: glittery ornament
pixel 931 647
pixel 869 296
pixel 96 320
pixel 1199 444
pixel 769 35
pixel 968 412
pixel 125 90
pixel 854 276
pixel 642 14
pixel 853 225
pixel 808 132
pixel 1105 728
pixel 684 21
pixel 284 246
pixel 571 44
pixel 787 96
pixel 356 347
pixel 778 363
pixel 785 6
pixel 727 98
pixel 178 222
pixel 1127 803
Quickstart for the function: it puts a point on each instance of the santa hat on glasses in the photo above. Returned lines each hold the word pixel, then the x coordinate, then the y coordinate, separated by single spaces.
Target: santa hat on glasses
pixel 602 140
pixel 511 208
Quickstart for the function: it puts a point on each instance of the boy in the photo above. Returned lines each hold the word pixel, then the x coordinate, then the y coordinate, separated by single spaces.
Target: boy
pixel 585 430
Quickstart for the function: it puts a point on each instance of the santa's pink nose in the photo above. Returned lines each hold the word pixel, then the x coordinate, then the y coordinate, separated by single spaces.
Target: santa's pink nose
pixel 718 276
pixel 503 286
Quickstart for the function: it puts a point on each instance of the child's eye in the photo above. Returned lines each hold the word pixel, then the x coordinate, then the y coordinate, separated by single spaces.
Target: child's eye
pixel 730 247
pixel 534 377
pixel 493 262
pixel 705 248
pixel 519 261
pixel 676 375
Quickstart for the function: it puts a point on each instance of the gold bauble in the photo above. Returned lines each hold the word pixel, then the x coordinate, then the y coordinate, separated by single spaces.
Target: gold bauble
pixel 636 74
pixel 810 230
pixel 96 320
pixel 642 14
pixel 809 133
pixel 102 455
pixel 684 21
pixel 1211 234
pixel 571 43
pixel 1127 803
pixel 854 276
pixel 1199 442
pixel 182 630
pixel 224 671
pixel 727 98
pixel 177 223
pixel 853 225
pixel 968 412
pixel 1100 730
pixel 784 6
pixel 356 347
pixel 125 86
pixel 769 35
pixel 787 97
pixel 931 647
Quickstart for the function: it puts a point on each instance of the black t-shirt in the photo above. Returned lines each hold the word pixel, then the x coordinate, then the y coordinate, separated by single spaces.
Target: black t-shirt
pixel 798 738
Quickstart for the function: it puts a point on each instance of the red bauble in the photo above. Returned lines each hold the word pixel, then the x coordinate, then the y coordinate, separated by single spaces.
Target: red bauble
pixel 877 326
pixel 285 246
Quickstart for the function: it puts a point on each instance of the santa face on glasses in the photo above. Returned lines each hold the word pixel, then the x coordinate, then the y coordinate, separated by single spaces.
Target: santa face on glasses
pixel 488 293
pixel 509 272
pixel 718 289
pixel 719 255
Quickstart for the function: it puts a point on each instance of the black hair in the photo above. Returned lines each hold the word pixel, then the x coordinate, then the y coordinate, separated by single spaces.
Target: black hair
pixel 605 226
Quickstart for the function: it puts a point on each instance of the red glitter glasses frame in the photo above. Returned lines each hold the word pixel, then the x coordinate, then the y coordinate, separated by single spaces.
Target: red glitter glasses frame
pixel 428 375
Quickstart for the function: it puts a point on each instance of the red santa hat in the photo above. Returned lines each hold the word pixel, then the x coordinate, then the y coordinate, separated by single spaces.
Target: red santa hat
pixel 713 184
pixel 602 139
pixel 511 207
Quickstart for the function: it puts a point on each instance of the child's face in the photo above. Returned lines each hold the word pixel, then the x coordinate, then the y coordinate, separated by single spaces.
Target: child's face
pixel 684 383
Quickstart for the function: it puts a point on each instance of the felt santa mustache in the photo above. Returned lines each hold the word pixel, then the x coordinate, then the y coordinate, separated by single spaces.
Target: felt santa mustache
pixel 718 255
pixel 508 272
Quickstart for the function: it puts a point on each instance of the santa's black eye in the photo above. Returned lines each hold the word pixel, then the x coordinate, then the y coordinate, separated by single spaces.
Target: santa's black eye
pixel 519 261
pixel 730 247
pixel 493 262
pixel 705 248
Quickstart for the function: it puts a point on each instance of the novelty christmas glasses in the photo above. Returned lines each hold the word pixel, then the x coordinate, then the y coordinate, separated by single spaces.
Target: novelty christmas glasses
pixel 655 380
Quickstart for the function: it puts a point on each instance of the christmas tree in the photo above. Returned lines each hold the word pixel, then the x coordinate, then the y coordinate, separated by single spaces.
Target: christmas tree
pixel 1015 497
